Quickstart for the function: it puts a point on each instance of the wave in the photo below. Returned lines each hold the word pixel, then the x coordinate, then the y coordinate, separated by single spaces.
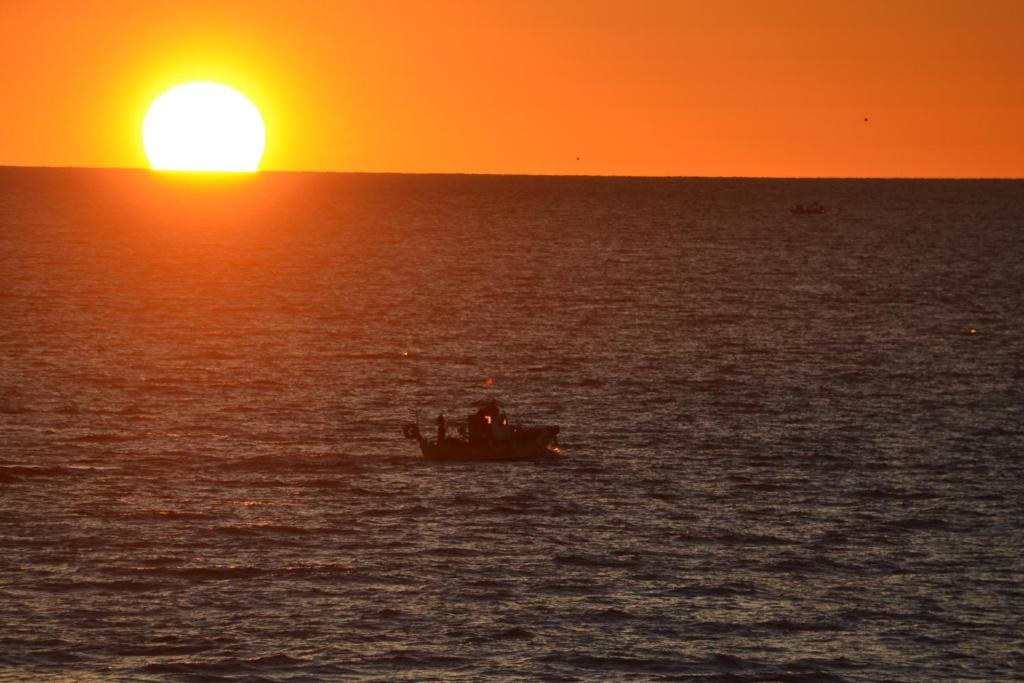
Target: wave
pixel 451 552
pixel 411 658
pixel 789 626
pixel 291 463
pixel 592 561
pixel 255 483
pixel 612 663
pixel 123 586
pixel 260 529
pixel 202 573
pixel 157 561
pixel 397 511
pixel 811 676
pixel 521 498
pixel 916 524
pixel 807 565
pixel 885 493
pixel 225 666
pixel 360 491
pixel 162 649
pixel 103 438
pixel 513 633
pixel 166 514
pixel 54 657
pixel 315 570
pixel 610 616
pixel 325 483
pixel 508 510
pixel 730 589
pixel 735 539
pixel 720 659
pixel 18 471
pixel 464 499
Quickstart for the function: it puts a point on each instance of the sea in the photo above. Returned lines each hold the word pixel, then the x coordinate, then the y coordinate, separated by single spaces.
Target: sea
pixel 794 444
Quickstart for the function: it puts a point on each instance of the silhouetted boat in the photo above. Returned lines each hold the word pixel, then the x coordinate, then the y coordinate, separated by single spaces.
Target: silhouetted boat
pixel 487 436
pixel 814 208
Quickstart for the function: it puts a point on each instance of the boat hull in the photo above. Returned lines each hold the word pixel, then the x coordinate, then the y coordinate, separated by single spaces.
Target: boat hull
pixel 537 444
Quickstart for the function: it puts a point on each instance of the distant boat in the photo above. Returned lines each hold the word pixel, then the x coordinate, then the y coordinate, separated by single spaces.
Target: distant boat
pixel 487 436
pixel 814 208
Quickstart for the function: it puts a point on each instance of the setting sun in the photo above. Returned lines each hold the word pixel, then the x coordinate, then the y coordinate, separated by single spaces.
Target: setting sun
pixel 203 127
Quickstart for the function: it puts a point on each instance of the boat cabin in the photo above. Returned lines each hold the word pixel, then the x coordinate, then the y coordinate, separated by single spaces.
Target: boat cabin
pixel 489 424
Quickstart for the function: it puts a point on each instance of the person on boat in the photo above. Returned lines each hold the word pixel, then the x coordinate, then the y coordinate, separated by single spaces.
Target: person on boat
pixel 482 423
pixel 490 410
pixel 442 429
pixel 501 429
pixel 477 429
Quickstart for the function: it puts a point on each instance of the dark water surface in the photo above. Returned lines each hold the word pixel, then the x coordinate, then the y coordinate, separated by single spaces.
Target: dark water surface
pixel 790 460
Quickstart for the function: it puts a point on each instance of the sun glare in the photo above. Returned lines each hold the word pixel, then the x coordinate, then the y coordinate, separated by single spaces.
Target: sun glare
pixel 203 127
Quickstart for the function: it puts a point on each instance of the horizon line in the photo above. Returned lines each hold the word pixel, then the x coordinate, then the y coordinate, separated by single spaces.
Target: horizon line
pixel 500 174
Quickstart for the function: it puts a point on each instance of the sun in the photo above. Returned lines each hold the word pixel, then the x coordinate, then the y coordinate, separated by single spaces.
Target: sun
pixel 203 127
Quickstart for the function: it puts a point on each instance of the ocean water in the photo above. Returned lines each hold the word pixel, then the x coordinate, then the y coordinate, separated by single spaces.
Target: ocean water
pixel 795 444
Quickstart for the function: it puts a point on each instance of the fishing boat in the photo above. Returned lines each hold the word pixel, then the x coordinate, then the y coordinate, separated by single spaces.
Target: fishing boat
pixel 487 436
pixel 812 209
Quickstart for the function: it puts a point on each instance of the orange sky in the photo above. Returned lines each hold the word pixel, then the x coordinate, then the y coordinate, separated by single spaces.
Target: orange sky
pixel 641 87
